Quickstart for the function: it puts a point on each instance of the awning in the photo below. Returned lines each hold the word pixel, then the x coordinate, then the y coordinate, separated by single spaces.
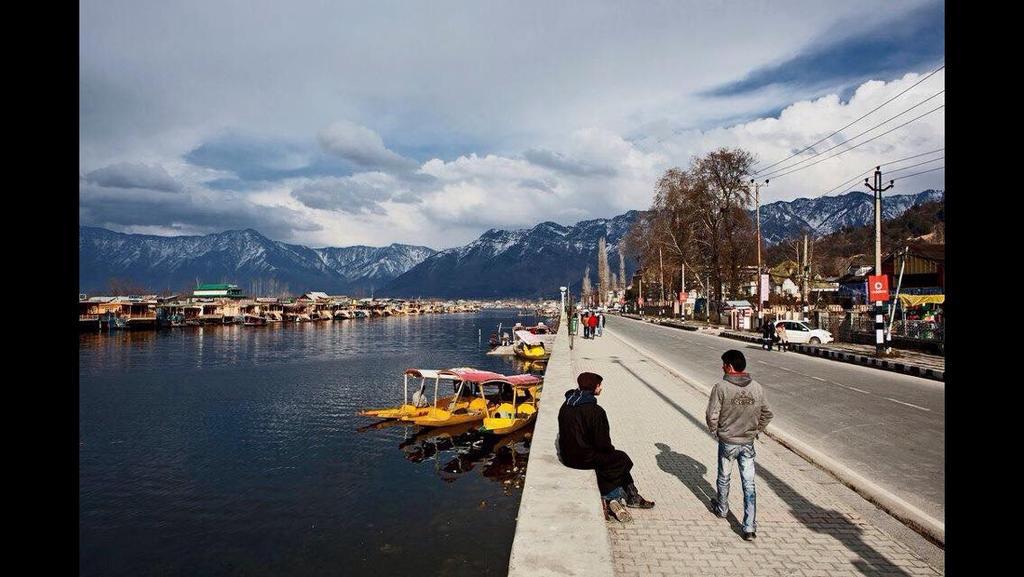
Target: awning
pixel 529 338
pixel 918 300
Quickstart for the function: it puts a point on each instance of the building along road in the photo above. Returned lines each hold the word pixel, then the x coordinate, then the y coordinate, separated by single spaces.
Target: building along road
pixel 887 427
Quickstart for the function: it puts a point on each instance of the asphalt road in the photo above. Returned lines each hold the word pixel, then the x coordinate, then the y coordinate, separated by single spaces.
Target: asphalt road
pixel 888 427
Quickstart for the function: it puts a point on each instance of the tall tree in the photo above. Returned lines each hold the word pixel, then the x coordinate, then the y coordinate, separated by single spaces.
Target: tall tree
pixel 603 271
pixel 622 267
pixel 585 288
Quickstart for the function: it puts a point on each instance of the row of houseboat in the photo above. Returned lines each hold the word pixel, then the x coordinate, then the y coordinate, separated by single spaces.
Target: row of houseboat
pixel 152 312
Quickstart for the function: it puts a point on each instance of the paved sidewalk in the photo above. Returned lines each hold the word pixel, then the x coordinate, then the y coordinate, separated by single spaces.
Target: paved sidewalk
pixel 803 528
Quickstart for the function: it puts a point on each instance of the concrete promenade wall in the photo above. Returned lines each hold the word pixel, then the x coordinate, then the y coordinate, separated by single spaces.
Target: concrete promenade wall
pixel 561 528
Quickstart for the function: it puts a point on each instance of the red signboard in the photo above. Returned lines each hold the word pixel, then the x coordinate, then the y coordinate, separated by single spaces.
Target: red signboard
pixel 683 296
pixel 878 288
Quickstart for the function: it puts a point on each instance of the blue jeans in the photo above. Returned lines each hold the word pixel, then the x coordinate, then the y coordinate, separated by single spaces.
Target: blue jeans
pixel 744 455
pixel 616 493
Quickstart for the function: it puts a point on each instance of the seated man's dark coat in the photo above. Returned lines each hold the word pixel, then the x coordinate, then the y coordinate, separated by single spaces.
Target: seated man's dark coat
pixel 584 441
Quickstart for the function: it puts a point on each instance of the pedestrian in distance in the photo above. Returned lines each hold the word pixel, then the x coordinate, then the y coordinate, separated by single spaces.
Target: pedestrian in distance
pixel 592 321
pixel 783 338
pixel 767 335
pixel 584 442
pixel 586 325
pixel 737 413
pixel 600 324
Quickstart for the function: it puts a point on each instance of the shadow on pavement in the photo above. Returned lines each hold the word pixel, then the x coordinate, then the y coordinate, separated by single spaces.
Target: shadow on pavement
pixel 691 473
pixel 818 519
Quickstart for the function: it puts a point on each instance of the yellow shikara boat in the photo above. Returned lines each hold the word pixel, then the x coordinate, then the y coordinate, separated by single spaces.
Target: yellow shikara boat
pixel 418 404
pixel 489 389
pixel 530 347
pixel 509 417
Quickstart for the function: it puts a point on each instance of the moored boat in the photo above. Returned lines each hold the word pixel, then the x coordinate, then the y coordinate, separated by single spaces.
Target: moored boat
pixel 509 417
pixel 417 405
pixel 487 389
pixel 530 347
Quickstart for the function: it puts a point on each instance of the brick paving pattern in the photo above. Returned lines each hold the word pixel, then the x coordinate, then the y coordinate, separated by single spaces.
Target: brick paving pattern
pixel 802 529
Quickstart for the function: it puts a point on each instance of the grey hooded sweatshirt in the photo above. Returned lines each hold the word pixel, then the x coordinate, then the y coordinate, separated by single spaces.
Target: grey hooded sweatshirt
pixel 738 410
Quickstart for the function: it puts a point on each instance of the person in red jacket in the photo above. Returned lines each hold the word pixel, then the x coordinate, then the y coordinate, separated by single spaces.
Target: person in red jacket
pixel 592 323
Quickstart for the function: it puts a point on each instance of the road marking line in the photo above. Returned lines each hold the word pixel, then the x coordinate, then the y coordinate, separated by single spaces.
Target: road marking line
pixel 908 404
pixel 818 378
pixel 855 389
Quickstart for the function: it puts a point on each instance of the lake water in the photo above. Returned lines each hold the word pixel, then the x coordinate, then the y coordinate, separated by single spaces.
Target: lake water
pixel 236 451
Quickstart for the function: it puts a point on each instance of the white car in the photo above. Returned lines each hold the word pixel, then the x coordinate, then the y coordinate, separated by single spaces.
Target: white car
pixel 799 332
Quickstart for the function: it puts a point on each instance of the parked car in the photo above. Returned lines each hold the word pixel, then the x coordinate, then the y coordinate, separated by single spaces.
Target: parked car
pixel 799 332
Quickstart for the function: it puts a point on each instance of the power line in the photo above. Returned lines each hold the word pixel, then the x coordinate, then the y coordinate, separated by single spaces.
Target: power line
pixel 888 163
pixel 855 137
pixel 922 172
pixel 868 171
pixel 913 165
pixel 855 121
pixel 841 152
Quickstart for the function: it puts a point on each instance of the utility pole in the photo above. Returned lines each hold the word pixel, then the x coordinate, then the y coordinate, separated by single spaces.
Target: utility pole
pixel 682 289
pixel 760 270
pixel 640 298
pixel 707 301
pixel 661 275
pixel 804 289
pixel 879 306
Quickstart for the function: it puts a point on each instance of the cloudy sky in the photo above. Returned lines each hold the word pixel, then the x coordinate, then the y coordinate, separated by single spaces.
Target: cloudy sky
pixel 332 123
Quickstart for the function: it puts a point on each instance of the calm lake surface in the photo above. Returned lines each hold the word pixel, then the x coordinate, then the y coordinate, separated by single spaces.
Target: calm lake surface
pixel 236 451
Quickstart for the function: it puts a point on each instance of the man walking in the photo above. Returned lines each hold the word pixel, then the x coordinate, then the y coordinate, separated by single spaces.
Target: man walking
pixel 600 324
pixel 767 334
pixel 584 442
pixel 737 412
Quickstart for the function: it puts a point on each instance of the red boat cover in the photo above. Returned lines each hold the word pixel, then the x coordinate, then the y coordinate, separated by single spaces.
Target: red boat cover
pixel 525 379
pixel 475 376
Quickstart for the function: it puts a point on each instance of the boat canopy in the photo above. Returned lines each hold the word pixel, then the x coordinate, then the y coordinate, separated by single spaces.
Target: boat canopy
pixel 529 338
pixel 476 376
pixel 524 380
pixel 431 374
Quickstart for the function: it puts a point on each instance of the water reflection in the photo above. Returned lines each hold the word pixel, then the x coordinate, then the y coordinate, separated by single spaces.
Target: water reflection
pixel 459 449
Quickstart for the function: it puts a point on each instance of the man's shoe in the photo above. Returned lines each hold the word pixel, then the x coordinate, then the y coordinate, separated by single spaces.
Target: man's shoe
pixel 620 513
pixel 749 536
pixel 634 500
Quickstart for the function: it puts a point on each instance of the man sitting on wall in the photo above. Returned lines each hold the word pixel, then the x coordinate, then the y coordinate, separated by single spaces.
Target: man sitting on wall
pixel 584 442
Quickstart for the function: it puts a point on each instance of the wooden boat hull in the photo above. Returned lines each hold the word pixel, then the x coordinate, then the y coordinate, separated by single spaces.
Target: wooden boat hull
pixel 404 411
pixel 474 410
pixel 532 353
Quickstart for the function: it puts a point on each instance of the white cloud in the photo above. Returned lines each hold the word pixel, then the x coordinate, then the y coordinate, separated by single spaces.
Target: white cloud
pixel 573 119
pixel 361 146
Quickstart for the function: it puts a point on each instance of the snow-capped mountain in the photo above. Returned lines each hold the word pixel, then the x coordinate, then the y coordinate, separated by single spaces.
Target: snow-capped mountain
pixel 530 262
pixel 827 214
pixel 237 256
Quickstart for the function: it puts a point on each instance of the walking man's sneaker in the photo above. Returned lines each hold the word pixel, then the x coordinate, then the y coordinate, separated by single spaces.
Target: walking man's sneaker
pixel 620 513
pixel 749 536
